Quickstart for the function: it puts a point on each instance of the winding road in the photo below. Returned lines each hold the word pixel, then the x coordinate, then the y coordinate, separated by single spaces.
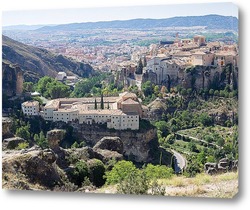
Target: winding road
pixel 180 162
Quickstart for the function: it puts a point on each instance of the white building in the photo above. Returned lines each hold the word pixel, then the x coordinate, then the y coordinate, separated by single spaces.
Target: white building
pixel 119 113
pixel 30 108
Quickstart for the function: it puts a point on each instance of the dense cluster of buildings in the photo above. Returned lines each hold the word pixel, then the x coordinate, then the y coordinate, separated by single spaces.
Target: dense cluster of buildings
pixel 120 113
pixel 167 61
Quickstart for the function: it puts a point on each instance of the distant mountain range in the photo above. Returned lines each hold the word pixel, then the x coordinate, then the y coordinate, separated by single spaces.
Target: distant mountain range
pixel 24 27
pixel 209 21
pixel 36 62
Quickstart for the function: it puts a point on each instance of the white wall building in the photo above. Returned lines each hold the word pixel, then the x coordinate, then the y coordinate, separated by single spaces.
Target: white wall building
pixel 30 108
pixel 82 110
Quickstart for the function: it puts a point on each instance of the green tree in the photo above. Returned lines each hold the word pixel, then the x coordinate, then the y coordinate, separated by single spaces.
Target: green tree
pixel 42 84
pixel 41 140
pixel 205 119
pixel 23 132
pixel 120 171
pixel 147 88
pixel 58 90
pixel 28 87
pixel 163 127
pixel 192 147
pixel 138 183
pixel 158 171
pixel 135 183
pixel 75 145
pixel 79 173
pixel 96 172
pixel 170 139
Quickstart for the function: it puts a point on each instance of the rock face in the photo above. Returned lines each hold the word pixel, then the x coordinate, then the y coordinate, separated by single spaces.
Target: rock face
pixel 156 109
pixel 54 137
pixel 12 143
pixel 137 145
pixel 109 148
pixel 38 166
pixel 12 79
pixel 223 166
pixel 6 124
pixel 110 143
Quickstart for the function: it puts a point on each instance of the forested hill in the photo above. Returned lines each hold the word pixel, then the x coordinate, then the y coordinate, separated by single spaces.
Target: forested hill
pixel 209 21
pixel 37 62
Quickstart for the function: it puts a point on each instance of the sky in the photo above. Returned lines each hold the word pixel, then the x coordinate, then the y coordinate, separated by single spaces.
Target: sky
pixel 64 16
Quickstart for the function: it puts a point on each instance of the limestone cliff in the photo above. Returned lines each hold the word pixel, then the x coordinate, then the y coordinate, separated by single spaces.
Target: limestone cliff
pixel 12 79
pixel 139 146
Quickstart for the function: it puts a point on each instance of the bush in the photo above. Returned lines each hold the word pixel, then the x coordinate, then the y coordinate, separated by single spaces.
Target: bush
pixel 205 119
pixel 120 171
pixel 23 132
pixel 22 145
pixel 96 172
pixel 170 139
pixel 158 172
pixel 78 174
pixel 138 183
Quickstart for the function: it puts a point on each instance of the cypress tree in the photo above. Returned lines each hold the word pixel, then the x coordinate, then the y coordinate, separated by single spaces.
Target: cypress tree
pixel 95 104
pixel 102 103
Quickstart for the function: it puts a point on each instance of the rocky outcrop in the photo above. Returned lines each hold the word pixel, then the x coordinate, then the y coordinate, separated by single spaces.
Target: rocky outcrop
pixel 38 166
pixel 224 165
pixel 156 109
pixel 12 143
pixel 6 124
pixel 109 148
pixel 54 138
pixel 12 79
pixel 137 145
pixel 110 143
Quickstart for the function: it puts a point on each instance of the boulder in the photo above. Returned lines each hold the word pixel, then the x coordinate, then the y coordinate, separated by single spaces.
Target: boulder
pixel 12 143
pixel 6 125
pixel 54 138
pixel 107 155
pixel 211 171
pixel 109 143
pixel 84 153
pixel 210 165
pixel 38 166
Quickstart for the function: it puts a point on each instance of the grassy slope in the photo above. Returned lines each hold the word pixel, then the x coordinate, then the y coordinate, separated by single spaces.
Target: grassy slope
pixel 203 185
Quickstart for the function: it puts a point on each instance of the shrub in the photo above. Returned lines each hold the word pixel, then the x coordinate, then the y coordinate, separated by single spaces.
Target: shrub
pixel 78 174
pixel 170 139
pixel 96 172
pixel 158 172
pixel 22 145
pixel 120 171
pixel 138 183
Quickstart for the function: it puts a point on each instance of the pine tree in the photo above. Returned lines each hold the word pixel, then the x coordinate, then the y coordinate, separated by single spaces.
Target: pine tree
pixel 95 104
